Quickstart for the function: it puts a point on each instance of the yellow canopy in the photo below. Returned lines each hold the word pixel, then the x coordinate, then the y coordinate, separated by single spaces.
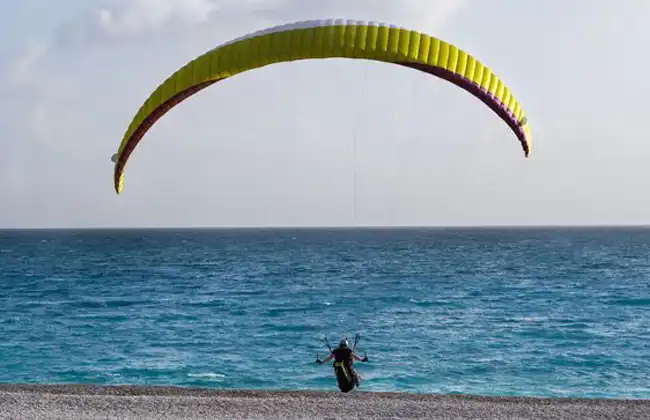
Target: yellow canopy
pixel 322 39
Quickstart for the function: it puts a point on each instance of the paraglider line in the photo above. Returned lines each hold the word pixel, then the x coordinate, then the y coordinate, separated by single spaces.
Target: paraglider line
pixel 355 175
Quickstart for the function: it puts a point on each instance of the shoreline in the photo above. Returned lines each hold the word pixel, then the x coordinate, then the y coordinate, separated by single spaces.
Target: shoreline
pixel 89 401
pixel 193 391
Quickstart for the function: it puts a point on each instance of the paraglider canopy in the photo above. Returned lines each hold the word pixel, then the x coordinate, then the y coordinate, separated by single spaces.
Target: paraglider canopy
pixel 322 39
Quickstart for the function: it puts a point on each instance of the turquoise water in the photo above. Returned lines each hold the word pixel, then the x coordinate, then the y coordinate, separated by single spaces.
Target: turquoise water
pixel 546 312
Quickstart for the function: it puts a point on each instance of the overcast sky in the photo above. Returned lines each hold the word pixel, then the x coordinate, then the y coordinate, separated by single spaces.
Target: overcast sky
pixel 275 146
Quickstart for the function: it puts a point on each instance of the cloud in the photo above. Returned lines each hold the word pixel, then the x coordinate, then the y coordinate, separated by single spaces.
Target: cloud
pixel 133 19
pixel 425 15
pixel 128 20
pixel 21 66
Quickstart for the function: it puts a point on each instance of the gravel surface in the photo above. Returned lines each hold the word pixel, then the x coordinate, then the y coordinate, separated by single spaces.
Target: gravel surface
pixel 89 402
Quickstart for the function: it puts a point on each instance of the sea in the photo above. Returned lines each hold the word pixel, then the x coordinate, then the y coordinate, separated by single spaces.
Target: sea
pixel 548 312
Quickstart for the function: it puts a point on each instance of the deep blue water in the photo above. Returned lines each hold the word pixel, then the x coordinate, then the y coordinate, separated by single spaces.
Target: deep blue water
pixel 546 312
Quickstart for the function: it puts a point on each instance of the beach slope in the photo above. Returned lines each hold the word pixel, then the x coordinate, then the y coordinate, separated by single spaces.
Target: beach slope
pixel 89 402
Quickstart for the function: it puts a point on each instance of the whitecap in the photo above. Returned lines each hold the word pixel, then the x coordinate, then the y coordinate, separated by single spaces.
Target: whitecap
pixel 206 375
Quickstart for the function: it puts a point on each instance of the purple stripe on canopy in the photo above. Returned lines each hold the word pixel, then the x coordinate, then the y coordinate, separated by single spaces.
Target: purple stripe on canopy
pixel 475 89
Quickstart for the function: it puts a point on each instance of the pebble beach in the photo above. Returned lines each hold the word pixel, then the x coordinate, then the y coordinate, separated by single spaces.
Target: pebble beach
pixel 90 402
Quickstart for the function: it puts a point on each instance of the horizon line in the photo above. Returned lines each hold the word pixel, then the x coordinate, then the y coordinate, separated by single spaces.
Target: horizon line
pixel 333 227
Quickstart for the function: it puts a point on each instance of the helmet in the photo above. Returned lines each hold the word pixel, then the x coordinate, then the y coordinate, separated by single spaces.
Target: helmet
pixel 343 342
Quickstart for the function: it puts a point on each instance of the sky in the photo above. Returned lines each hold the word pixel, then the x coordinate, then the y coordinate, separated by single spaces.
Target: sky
pixel 323 142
